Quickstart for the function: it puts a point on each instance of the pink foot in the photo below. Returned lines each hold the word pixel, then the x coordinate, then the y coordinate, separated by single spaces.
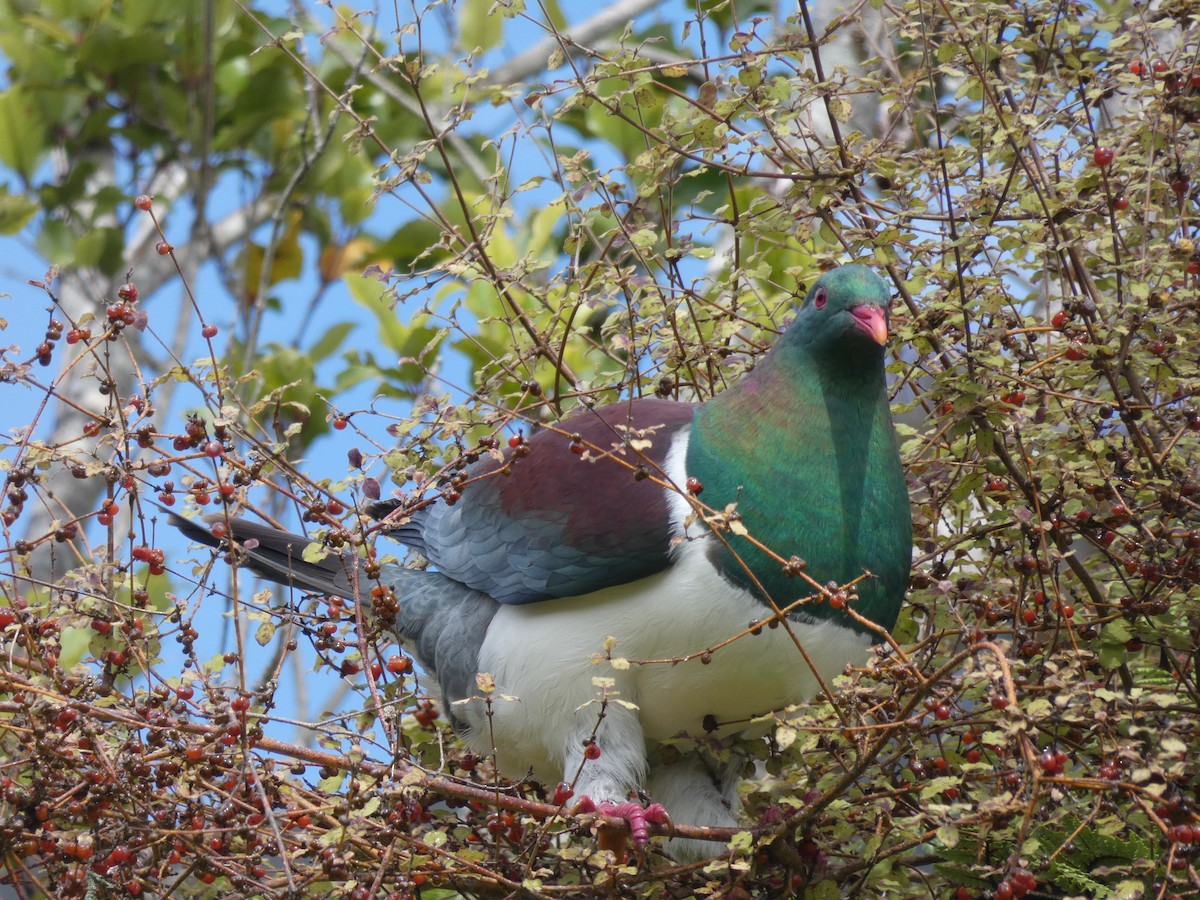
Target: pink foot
pixel 639 817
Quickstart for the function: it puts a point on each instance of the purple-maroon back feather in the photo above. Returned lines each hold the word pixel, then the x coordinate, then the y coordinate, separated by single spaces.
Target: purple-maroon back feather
pixel 561 523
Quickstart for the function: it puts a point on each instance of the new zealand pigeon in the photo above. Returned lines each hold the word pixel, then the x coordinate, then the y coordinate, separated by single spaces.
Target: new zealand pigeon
pixel 554 560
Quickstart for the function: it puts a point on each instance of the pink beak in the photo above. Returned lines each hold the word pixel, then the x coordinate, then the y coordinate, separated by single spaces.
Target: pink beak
pixel 871 320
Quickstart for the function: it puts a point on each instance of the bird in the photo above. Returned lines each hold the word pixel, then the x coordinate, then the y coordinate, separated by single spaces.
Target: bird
pixel 628 559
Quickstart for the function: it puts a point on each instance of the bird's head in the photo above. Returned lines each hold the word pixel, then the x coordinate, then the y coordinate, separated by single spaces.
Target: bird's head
pixel 844 312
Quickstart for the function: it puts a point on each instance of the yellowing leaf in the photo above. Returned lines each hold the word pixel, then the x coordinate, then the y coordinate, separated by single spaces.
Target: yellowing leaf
pixel 785 736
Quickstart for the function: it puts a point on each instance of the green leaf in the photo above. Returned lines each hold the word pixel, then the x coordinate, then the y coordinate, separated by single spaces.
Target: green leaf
pixel 264 632
pixel 16 211
pixel 331 340
pixel 823 890
pixel 101 247
pixel 22 132
pixel 479 25
pixel 74 644
pixel 1112 644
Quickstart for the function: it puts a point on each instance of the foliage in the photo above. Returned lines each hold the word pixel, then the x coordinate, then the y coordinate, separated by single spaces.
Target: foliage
pixel 633 213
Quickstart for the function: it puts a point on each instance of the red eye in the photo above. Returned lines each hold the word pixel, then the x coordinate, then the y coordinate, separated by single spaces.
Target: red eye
pixel 819 298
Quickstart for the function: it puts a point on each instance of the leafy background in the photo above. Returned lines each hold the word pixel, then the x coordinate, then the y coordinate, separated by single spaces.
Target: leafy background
pixel 380 240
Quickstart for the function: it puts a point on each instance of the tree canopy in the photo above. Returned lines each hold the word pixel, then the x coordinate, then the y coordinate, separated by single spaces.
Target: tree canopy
pixel 290 261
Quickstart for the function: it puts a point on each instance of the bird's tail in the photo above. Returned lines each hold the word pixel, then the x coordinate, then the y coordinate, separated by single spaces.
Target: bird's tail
pixel 442 621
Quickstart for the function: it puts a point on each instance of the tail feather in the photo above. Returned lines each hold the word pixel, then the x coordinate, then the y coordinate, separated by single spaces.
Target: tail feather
pixel 279 556
pixel 443 622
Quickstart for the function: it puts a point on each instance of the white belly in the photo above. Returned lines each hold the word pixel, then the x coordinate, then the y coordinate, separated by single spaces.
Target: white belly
pixel 543 654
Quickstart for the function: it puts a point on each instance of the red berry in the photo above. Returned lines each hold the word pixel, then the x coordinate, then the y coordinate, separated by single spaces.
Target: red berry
pixel 695 486
pixel 1180 186
pixel 999 701
pixel 340 423
pixel 1075 351
pixel 1193 268
pixel 120 854
pixel 1137 67
pixel 1159 67
pixel 942 713
pixel 592 751
pixel 577 447
pixel 7 616
pixel 516 441
pixel 1059 319
pixel 1052 762
pixel 1013 398
pixel 398 665
pixel 128 292
pixel 1103 156
pixel 1003 891
pixel 162 248
pixel 562 793
pixel 144 202
pixel 219 530
pixel 208 332
pixel 214 449
pixel 1023 879
pixel 1122 202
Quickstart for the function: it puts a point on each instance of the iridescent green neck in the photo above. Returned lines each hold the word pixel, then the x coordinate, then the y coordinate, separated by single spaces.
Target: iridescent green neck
pixel 840 505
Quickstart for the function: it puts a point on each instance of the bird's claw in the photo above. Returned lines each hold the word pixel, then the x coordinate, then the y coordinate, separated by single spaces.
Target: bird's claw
pixel 639 817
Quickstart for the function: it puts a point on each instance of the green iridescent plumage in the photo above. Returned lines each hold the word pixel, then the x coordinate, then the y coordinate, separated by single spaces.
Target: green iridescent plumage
pixel 807 450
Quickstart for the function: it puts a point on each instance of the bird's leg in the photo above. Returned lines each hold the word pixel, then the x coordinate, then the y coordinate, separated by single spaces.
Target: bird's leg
pixel 607 762
pixel 699 790
pixel 639 817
